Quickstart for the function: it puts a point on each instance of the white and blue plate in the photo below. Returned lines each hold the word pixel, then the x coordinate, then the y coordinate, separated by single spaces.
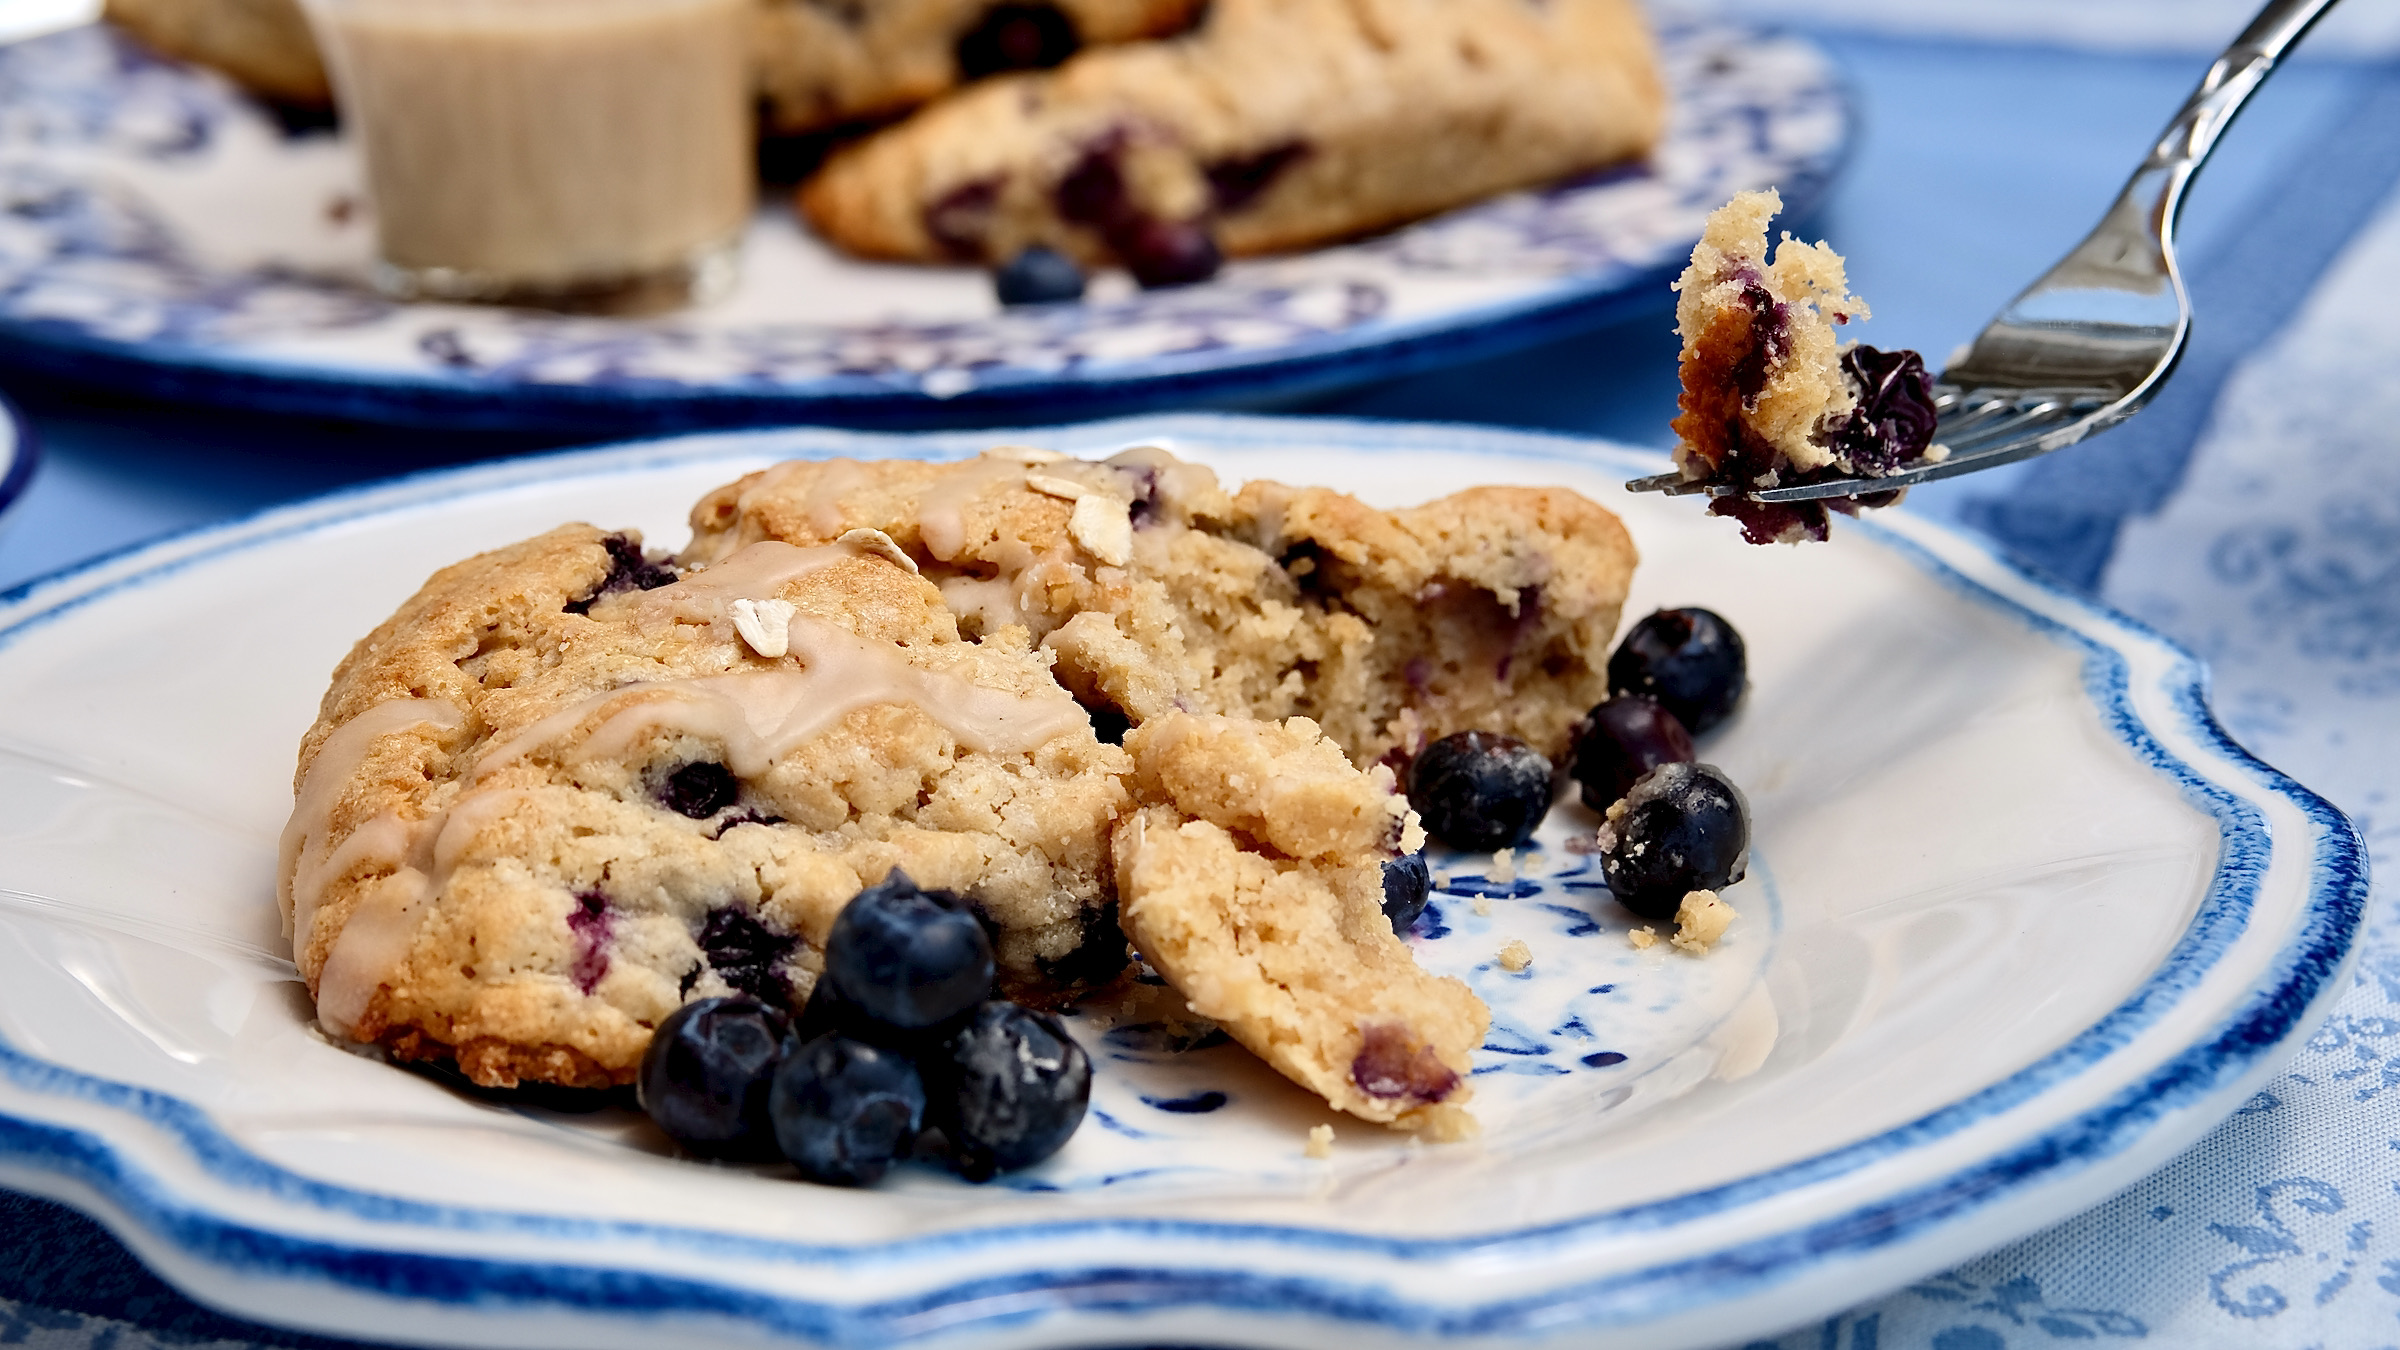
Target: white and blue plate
pixel 2020 924
pixel 159 234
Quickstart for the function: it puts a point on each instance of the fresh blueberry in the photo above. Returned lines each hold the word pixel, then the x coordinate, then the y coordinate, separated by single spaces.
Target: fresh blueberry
pixel 907 957
pixel 1621 740
pixel 700 789
pixel 1407 884
pixel 1690 660
pixel 1038 276
pixel 1685 828
pixel 1480 791
pixel 704 1078
pixel 1009 1089
pixel 1162 253
pixel 844 1110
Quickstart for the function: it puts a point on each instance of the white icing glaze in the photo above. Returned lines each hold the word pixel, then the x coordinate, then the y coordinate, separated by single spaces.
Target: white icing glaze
pixel 753 572
pixel 382 926
pixel 374 941
pixel 939 509
pixel 995 601
pixel 759 716
pixel 302 851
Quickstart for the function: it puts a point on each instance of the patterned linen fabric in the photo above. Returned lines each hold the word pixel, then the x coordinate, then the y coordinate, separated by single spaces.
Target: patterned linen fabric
pixel 2356 30
pixel 2279 563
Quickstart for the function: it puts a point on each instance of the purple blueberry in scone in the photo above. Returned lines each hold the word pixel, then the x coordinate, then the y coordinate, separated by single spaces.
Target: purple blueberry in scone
pixel 1770 397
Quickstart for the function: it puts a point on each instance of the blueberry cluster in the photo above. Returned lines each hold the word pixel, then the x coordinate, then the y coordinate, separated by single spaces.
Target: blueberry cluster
pixel 1683 825
pixel 901 1036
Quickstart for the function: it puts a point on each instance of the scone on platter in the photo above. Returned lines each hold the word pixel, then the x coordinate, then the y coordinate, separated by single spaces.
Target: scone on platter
pixel 822 65
pixel 1771 396
pixel 571 786
pixel 1275 124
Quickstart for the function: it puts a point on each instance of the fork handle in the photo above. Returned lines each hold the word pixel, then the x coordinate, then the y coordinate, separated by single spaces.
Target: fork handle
pixel 2230 82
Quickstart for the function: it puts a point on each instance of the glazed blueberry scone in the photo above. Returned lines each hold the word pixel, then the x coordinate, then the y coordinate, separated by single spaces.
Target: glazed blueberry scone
pixel 1770 396
pixel 564 790
pixel 1252 879
pixel 1156 590
pixel 822 65
pixel 1275 124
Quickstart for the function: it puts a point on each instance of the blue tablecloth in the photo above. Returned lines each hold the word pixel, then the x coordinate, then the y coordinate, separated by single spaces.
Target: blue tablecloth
pixel 2253 512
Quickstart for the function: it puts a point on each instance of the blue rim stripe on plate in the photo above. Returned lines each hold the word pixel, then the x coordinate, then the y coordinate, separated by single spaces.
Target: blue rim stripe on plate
pixel 2302 974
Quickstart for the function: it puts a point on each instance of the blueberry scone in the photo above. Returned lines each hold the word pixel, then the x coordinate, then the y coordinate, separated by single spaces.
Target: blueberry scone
pixel 821 63
pixel 1156 590
pixel 1252 879
pixel 1275 124
pixel 1770 396
pixel 264 45
pixel 564 790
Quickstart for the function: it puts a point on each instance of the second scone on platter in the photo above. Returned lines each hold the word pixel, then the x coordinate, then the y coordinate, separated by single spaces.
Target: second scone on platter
pixel 1273 125
pixel 571 786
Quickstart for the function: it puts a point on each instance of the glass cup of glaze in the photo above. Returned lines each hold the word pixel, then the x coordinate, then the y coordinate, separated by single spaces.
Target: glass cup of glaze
pixel 577 154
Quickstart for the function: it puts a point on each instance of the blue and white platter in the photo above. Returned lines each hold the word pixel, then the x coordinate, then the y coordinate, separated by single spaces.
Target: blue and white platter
pixel 160 234
pixel 2021 923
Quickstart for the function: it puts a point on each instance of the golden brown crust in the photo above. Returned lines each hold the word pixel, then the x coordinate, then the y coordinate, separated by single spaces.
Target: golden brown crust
pixel 1279 123
pixel 264 45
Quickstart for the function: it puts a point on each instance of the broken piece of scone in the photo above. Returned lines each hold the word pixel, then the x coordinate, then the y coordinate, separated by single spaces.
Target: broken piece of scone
pixel 1771 398
pixel 1267 915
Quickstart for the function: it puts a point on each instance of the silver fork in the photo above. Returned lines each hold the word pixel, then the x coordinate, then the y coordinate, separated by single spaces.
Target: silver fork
pixel 2084 347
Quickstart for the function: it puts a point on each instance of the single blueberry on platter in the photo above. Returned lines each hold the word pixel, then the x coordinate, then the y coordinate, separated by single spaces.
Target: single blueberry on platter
pixel 1407 884
pixel 907 957
pixel 1622 739
pixel 1690 660
pixel 705 1077
pixel 1009 1089
pixel 845 1111
pixel 1480 791
pixel 1038 276
pixel 1685 828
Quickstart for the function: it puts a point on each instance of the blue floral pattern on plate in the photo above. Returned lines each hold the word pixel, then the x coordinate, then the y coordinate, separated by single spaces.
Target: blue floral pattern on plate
pixel 155 223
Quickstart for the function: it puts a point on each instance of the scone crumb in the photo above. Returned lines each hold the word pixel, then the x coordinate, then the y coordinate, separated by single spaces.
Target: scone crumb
pixel 1700 920
pixel 1644 937
pixel 1504 866
pixel 1483 906
pixel 1320 1141
pixel 1515 956
pixel 1066 489
pixel 1024 454
pixel 1936 453
pixel 1104 529
pixel 766 625
pixel 882 545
